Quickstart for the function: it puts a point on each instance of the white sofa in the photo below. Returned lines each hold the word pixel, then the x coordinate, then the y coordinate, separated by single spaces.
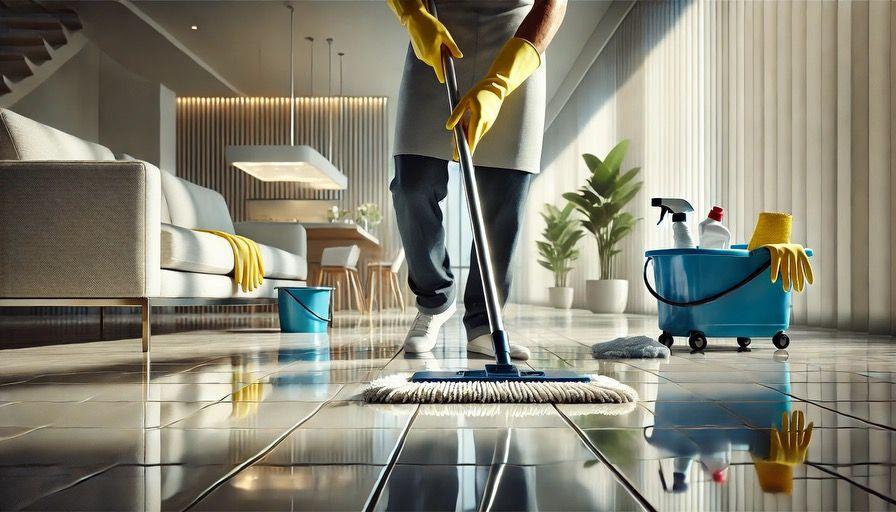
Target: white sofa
pixel 78 227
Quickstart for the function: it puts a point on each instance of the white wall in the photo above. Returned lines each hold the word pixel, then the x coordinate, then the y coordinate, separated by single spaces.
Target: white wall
pixel 95 98
pixel 756 106
pixel 68 99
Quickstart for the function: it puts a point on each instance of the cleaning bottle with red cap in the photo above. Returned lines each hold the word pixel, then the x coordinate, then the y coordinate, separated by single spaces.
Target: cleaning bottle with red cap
pixel 714 234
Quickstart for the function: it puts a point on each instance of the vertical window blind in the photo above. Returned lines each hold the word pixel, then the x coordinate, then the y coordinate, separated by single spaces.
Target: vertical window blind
pixel 755 106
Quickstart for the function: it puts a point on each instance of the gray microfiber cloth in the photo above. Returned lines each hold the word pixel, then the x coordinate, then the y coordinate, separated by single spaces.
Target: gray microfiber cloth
pixel 631 347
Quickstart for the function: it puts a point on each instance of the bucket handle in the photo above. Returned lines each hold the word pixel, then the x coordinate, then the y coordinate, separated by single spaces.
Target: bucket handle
pixel 704 300
pixel 306 308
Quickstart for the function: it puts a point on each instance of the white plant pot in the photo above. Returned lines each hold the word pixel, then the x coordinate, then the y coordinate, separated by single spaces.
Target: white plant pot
pixel 606 295
pixel 560 297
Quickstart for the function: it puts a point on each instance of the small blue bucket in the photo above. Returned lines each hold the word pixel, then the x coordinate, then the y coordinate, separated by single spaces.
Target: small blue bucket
pixel 304 309
pixel 721 293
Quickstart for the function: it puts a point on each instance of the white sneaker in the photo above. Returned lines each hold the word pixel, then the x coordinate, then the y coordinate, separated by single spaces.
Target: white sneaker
pixel 424 331
pixel 483 345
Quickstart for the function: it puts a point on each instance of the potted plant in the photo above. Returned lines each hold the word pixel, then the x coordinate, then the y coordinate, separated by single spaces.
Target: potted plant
pixel 367 215
pixel 558 250
pixel 601 200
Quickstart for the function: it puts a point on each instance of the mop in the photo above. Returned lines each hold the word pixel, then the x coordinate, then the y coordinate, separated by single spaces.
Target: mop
pixel 501 382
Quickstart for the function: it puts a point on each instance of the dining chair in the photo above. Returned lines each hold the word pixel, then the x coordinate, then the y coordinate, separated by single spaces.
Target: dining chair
pixel 380 272
pixel 339 269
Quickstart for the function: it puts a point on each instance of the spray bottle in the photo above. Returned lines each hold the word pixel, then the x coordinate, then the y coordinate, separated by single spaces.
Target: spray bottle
pixel 679 209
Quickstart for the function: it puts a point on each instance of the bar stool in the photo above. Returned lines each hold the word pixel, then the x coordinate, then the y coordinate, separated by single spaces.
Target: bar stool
pixel 385 271
pixel 339 265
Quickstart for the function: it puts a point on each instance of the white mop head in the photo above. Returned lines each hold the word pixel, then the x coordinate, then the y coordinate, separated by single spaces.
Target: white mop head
pixel 397 389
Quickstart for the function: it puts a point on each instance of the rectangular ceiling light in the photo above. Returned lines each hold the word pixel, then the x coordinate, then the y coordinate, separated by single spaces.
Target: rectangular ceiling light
pixel 300 164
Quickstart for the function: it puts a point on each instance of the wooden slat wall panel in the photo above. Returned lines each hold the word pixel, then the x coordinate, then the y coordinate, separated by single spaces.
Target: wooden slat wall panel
pixel 351 131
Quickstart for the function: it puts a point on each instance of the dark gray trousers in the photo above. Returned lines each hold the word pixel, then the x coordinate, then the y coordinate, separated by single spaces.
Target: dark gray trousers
pixel 420 184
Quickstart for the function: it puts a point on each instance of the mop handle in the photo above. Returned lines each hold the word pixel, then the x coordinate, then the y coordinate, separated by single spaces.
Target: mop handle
pixel 480 239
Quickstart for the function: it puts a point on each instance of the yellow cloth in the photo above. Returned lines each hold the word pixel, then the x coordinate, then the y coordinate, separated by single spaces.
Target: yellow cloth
pixel 427 34
pixel 516 61
pixel 771 228
pixel 248 269
pixel 772 232
pixel 774 477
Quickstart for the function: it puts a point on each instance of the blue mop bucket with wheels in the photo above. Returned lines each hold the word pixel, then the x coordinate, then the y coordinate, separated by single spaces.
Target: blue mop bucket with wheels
pixel 304 309
pixel 718 293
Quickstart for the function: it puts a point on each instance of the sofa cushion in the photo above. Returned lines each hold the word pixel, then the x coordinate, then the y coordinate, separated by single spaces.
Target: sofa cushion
pixel 191 284
pixel 191 206
pixel 25 139
pixel 124 157
pixel 194 251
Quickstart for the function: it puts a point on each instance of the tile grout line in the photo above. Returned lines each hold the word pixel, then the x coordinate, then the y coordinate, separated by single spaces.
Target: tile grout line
pixel 255 458
pixel 374 496
pixel 69 486
pixel 377 491
pixel 618 474
pixel 835 411
pixel 853 482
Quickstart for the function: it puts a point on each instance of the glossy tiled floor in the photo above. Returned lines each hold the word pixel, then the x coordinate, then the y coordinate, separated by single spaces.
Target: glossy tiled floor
pixel 253 419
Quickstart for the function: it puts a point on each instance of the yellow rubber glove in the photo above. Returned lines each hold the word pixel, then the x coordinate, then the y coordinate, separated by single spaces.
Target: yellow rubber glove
pixel 248 267
pixel 791 262
pixel 516 61
pixel 428 35
pixel 790 444
pixel 787 448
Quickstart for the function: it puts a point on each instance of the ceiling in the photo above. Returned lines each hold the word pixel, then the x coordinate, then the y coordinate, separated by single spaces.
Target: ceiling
pixel 245 43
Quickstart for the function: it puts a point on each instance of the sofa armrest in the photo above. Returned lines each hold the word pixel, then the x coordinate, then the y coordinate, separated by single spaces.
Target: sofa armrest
pixel 79 229
pixel 289 236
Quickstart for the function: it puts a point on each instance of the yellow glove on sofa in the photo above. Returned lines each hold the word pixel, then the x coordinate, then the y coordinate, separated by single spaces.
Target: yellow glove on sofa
pixel 516 61
pixel 789 260
pixel 428 35
pixel 248 269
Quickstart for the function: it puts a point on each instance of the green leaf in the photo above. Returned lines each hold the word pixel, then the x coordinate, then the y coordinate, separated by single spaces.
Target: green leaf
pixel 627 194
pixel 616 155
pixel 591 161
pixel 628 176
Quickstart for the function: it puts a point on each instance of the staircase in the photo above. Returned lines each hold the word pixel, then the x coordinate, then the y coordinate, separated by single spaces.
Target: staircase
pixel 32 34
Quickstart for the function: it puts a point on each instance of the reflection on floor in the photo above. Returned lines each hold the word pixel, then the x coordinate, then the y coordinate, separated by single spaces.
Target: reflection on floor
pixel 258 420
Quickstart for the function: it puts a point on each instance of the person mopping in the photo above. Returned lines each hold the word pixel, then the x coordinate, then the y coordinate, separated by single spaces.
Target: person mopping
pixel 498 47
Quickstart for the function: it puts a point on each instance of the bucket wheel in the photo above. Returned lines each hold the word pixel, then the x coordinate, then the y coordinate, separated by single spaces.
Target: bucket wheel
pixel 781 340
pixel 697 341
pixel 666 339
pixel 743 342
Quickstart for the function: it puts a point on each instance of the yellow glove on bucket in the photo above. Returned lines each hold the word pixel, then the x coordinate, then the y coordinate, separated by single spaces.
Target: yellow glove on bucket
pixel 516 61
pixel 791 262
pixel 790 443
pixel 787 448
pixel 428 35
pixel 772 232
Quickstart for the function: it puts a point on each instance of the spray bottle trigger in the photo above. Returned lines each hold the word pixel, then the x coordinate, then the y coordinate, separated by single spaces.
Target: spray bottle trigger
pixel 663 210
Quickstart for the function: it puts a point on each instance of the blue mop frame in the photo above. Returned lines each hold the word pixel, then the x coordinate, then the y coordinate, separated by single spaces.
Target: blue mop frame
pixel 503 370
